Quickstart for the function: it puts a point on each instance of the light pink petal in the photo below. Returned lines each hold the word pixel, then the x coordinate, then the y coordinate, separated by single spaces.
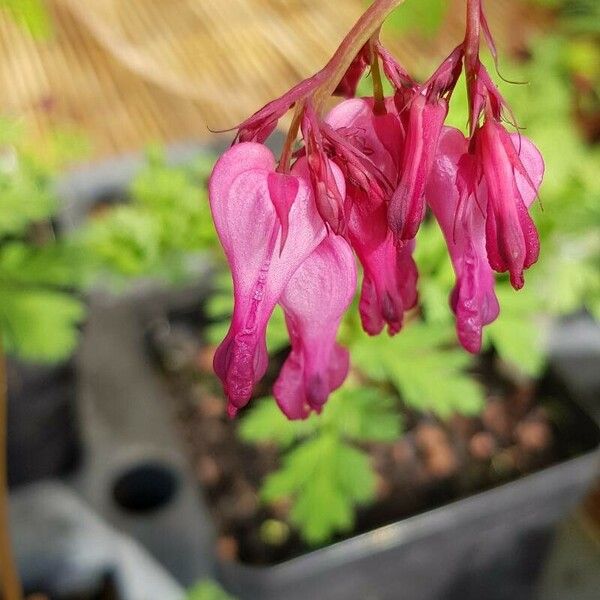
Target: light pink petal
pixel 247 222
pixel 314 302
pixel 473 299
pixel 532 163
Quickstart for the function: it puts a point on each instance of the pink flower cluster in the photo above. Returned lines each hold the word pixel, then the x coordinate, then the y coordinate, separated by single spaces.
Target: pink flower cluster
pixel 361 181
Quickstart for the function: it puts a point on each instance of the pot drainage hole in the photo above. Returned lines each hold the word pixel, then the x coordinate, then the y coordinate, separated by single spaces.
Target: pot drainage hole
pixel 145 487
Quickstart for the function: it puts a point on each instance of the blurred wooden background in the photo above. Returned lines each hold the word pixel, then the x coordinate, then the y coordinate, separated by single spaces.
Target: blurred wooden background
pixel 130 72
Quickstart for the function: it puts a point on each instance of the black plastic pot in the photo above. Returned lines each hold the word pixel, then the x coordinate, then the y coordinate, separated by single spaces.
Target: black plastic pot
pixel 488 546
pixel 43 436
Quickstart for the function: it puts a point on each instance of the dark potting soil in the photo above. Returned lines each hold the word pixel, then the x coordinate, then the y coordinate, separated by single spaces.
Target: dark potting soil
pixel 104 590
pixel 525 426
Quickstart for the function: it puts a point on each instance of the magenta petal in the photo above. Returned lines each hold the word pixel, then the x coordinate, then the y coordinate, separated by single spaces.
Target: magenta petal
pixel 473 299
pixel 511 237
pixel 283 190
pixel 349 82
pixel 390 274
pixel 244 210
pixel 407 206
pixel 379 137
pixel 389 286
pixel 314 302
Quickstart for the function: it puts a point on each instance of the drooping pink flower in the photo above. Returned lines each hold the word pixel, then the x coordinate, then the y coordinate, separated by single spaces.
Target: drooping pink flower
pixel 513 169
pixel 426 107
pixel 390 274
pixel 253 206
pixel 407 206
pixel 462 221
pixel 459 197
pixel 314 302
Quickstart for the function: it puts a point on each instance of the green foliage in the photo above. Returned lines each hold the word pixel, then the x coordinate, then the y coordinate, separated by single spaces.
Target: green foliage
pixel 39 324
pixel 167 219
pixel 322 467
pixel 424 365
pixel 425 17
pixel 208 590
pixel 30 14
pixel 39 313
pixel 24 193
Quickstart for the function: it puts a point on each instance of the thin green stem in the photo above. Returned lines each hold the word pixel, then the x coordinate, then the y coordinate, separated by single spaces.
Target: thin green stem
pixel 378 96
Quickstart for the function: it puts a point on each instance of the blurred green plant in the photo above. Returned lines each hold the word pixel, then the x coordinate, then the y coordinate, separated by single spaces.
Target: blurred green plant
pixel 166 218
pixel 324 473
pixel 30 14
pixel 207 590
pixel 39 312
pixel 44 272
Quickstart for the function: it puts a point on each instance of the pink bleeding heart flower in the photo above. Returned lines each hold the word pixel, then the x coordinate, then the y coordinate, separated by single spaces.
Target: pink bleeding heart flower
pixel 407 206
pixel 314 302
pixel 473 299
pixel 427 107
pixel 459 198
pixel 253 208
pixel 390 274
pixel 513 169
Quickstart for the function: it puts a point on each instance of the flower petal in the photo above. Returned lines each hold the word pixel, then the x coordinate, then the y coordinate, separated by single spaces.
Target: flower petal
pixel 314 302
pixel 473 299
pixel 245 215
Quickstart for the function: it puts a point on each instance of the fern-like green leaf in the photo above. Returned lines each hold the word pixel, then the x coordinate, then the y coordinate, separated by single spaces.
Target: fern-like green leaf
pixel 264 422
pixel 327 473
pixel 425 366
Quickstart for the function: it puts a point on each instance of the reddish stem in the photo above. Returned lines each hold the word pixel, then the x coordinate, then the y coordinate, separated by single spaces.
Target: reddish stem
pixel 368 24
pixel 471 48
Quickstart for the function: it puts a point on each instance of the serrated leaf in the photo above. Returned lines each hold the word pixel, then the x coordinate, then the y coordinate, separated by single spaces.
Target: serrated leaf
pixel 425 366
pixel 264 422
pixel 326 473
pixel 363 414
pixel 54 264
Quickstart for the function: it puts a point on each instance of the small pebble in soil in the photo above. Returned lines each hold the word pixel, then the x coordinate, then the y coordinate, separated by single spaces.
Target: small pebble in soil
pixel 482 445
pixel 430 435
pixel 496 419
pixel 534 435
pixel 227 548
pixel 383 488
pixel 402 451
pixel 274 532
pixel 281 508
pixel 442 462
pixel 208 471
pixel 504 462
pixel 434 446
